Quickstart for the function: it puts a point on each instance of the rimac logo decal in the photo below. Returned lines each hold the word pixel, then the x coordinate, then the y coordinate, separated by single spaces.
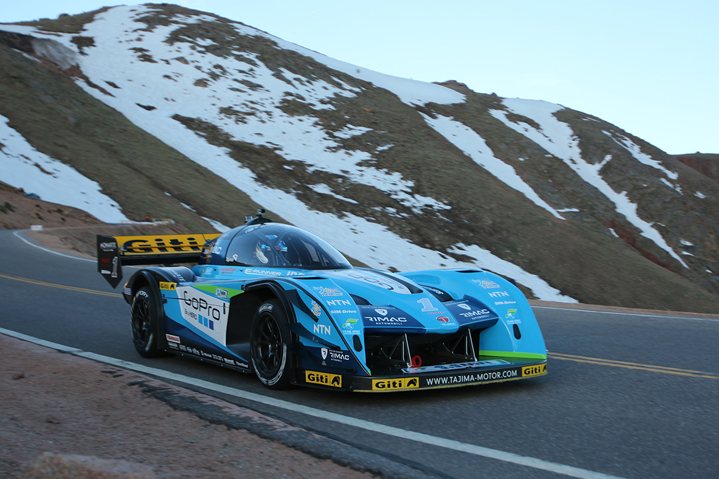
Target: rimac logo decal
pixel 394 384
pixel 475 313
pixel 334 356
pixel 325 379
pixel 465 306
pixel 381 312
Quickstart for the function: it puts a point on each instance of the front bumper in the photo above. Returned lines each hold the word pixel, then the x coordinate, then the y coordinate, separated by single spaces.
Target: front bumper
pixel 448 376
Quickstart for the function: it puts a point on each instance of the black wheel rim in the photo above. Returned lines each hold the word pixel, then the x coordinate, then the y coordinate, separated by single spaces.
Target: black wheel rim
pixel 141 320
pixel 268 346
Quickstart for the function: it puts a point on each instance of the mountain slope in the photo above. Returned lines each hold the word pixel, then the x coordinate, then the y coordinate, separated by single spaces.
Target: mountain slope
pixel 401 174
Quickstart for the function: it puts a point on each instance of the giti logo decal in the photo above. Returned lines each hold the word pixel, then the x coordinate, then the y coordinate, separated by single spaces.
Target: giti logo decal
pixel 534 370
pixel 394 384
pixel 168 286
pixel 325 379
pixel 163 243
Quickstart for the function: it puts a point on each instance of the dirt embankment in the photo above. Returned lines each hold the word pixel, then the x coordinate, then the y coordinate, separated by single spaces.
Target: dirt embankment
pixel 65 405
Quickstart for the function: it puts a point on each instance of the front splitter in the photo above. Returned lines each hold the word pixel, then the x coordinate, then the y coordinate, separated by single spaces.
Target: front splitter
pixel 437 379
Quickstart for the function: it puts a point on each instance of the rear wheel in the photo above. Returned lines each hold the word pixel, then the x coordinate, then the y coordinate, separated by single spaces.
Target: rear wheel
pixel 271 357
pixel 144 324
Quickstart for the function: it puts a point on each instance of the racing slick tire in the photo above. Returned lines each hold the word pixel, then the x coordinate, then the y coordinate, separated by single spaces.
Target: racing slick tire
pixel 271 357
pixel 144 324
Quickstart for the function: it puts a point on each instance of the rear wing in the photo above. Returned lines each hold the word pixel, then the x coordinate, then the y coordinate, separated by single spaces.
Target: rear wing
pixel 115 251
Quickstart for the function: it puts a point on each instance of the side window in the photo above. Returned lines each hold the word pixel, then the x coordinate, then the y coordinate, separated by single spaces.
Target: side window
pixel 314 256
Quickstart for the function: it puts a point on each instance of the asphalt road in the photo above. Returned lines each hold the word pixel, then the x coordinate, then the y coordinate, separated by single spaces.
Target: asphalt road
pixel 627 395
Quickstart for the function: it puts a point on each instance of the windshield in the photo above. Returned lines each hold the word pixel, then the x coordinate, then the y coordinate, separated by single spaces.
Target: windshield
pixel 282 246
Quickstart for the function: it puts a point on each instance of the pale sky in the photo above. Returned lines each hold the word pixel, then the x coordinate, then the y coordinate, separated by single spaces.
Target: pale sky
pixel 650 67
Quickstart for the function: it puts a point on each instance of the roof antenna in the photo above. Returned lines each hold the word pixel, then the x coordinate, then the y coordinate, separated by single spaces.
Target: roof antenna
pixel 259 220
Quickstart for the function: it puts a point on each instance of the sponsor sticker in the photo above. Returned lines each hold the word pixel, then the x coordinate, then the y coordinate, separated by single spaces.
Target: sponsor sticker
pixel 322 329
pixel 172 338
pixel 168 286
pixel 263 272
pixel 394 384
pixel 486 284
pixel 316 309
pixel 325 379
pixel 498 294
pixel 221 293
pixel 529 371
pixel 328 291
pixel 467 378
pixel 349 324
pixel 455 366
pixel 108 246
pixel 338 302
pixel 334 356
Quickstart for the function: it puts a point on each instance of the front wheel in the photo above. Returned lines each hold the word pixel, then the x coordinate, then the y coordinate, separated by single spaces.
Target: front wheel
pixel 144 324
pixel 271 358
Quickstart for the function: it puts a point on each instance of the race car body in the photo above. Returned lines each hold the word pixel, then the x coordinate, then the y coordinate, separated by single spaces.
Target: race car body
pixel 275 300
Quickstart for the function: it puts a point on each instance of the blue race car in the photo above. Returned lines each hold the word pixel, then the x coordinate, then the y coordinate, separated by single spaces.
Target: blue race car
pixel 275 300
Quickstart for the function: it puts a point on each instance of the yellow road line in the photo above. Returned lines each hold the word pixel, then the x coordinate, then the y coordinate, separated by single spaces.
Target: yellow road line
pixel 627 365
pixel 60 286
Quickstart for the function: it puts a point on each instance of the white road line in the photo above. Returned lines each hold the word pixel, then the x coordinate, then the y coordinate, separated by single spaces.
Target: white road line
pixel 49 250
pixel 628 314
pixel 329 416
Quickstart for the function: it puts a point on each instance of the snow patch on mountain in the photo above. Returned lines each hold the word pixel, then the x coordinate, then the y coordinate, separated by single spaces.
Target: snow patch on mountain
pixel 183 80
pixel 558 139
pixel 22 166
pixel 641 157
pixel 474 146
